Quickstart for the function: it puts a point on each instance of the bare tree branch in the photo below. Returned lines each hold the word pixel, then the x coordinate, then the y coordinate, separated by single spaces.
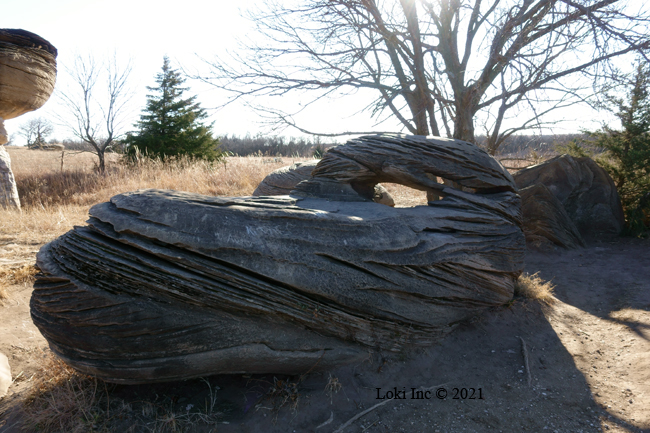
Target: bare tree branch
pixel 435 65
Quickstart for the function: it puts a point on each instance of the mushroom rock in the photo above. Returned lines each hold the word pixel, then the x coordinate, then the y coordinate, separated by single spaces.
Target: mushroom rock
pixel 164 285
pixel 283 180
pixel 27 78
pixel 586 191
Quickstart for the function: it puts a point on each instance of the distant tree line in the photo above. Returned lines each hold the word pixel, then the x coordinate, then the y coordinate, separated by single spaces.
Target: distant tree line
pixel 522 145
pixel 274 146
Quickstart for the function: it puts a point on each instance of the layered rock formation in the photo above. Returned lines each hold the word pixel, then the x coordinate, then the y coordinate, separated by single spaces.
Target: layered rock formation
pixel 27 78
pixel 164 285
pixel 283 180
pixel 546 223
pixel 587 195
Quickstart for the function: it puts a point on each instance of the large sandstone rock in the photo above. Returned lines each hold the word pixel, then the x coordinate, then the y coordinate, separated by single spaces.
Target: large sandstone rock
pixel 27 78
pixel 164 285
pixel 283 180
pixel 8 191
pixel 546 224
pixel 586 191
pixel 27 72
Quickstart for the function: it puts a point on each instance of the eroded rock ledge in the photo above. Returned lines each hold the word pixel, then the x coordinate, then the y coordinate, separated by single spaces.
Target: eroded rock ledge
pixel 165 285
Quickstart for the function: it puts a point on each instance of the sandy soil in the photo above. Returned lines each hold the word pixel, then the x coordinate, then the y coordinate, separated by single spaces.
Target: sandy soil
pixel 587 359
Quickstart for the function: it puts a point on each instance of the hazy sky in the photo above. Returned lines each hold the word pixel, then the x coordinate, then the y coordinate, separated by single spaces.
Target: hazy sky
pixel 145 31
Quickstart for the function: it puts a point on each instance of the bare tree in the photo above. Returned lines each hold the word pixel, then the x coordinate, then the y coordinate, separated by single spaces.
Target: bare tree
pixel 435 66
pixel 36 131
pixel 96 102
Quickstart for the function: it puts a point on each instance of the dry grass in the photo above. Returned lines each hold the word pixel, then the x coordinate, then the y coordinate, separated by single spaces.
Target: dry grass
pixel 15 275
pixel 533 287
pixel 55 200
pixel 64 400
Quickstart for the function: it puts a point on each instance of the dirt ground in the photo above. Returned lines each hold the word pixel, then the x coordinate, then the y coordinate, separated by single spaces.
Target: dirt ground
pixel 588 361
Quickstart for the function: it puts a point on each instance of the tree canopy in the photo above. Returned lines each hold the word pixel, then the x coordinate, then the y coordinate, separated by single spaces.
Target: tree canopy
pixel 171 125
pixel 435 66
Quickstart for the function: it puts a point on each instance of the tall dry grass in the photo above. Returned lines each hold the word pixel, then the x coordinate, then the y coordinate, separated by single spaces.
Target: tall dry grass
pixel 55 197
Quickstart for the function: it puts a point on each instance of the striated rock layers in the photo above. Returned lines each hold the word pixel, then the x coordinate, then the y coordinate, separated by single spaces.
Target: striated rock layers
pixel 586 193
pixel 27 72
pixel 164 285
pixel 27 78
pixel 283 180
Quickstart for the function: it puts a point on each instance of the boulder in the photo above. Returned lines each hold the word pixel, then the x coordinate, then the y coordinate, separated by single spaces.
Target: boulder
pixel 27 72
pixel 164 285
pixel 27 78
pixel 283 180
pixel 546 224
pixel 586 191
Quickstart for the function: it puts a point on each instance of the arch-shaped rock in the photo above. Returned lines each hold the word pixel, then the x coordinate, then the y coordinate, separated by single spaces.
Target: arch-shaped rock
pixel 165 285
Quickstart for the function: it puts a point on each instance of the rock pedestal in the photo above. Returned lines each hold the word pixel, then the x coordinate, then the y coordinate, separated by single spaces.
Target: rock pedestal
pixel 27 78
pixel 8 191
pixel 166 285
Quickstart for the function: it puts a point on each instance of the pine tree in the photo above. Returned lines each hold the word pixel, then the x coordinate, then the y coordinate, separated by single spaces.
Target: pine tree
pixel 171 125
pixel 627 157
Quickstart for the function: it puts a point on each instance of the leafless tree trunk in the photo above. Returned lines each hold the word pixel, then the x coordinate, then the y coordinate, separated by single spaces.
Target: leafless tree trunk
pixel 97 116
pixel 436 66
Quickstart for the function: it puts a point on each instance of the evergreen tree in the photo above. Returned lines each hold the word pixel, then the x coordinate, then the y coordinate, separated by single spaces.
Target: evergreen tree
pixel 627 157
pixel 171 125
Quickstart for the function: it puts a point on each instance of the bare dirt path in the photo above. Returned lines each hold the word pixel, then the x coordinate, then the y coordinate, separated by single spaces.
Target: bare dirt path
pixel 588 359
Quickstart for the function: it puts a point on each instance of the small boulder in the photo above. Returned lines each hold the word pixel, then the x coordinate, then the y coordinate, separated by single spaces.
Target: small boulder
pixel 546 224
pixel 586 191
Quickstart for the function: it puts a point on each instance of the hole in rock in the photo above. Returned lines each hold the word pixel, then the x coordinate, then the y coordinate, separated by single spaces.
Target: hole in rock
pixel 405 196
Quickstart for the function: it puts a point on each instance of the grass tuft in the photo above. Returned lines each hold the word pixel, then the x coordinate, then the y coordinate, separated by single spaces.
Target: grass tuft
pixel 533 287
pixel 15 275
pixel 63 400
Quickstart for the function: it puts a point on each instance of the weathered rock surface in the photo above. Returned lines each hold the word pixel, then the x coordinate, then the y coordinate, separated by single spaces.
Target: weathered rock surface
pixel 585 190
pixel 8 191
pixel 546 223
pixel 27 78
pixel 283 180
pixel 164 285
pixel 5 375
pixel 27 72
